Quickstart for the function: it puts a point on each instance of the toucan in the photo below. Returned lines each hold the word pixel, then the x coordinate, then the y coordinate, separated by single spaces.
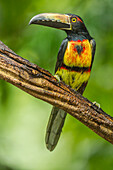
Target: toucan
pixel 73 66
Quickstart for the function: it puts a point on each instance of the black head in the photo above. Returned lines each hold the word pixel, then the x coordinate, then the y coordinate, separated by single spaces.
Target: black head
pixel 77 25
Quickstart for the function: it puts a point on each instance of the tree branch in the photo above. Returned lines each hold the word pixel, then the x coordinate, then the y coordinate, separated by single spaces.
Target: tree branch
pixel 41 84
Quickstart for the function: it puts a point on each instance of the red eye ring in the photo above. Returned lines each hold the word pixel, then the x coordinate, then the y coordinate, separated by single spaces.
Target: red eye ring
pixel 78 19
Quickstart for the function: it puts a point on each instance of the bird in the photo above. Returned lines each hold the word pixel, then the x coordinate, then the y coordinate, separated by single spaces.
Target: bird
pixel 73 66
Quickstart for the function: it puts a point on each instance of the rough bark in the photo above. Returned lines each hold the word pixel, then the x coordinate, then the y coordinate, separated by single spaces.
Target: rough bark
pixel 41 84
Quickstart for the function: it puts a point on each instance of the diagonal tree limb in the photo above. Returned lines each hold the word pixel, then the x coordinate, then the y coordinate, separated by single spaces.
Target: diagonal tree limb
pixel 41 84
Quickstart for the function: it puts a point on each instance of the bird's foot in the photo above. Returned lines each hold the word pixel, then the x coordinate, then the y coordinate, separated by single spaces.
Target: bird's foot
pixel 57 77
pixel 97 104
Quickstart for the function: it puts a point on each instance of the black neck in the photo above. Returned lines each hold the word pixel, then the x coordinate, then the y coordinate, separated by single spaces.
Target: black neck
pixel 85 35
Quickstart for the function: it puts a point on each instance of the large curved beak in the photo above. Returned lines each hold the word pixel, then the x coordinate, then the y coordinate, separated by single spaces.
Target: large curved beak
pixel 55 20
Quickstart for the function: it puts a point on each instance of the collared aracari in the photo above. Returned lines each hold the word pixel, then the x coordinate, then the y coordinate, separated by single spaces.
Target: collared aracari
pixel 73 66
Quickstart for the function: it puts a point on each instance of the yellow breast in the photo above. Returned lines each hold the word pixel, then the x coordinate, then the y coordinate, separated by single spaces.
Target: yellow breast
pixel 72 78
pixel 80 59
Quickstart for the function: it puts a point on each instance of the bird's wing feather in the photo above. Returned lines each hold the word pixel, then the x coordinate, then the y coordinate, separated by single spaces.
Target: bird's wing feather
pixel 93 47
pixel 61 54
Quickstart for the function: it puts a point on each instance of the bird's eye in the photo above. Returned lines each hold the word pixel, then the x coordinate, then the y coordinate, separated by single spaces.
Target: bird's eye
pixel 74 19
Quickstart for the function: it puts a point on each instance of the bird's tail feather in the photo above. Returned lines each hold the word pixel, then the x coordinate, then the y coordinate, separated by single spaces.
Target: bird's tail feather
pixel 54 127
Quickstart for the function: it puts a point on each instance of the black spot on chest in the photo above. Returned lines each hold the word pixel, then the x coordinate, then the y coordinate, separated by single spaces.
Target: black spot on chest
pixel 79 49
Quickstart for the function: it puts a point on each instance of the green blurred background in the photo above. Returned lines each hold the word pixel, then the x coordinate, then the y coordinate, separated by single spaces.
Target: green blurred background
pixel 23 118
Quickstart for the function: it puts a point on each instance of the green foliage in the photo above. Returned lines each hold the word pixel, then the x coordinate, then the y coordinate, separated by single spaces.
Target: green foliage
pixel 23 118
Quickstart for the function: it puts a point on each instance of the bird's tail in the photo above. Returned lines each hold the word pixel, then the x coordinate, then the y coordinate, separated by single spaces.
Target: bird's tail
pixel 54 127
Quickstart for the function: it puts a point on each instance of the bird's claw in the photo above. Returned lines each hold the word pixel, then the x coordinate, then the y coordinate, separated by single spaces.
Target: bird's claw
pixel 57 77
pixel 97 104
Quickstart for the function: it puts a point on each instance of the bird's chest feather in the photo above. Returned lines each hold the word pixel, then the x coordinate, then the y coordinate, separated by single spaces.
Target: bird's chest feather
pixel 78 53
